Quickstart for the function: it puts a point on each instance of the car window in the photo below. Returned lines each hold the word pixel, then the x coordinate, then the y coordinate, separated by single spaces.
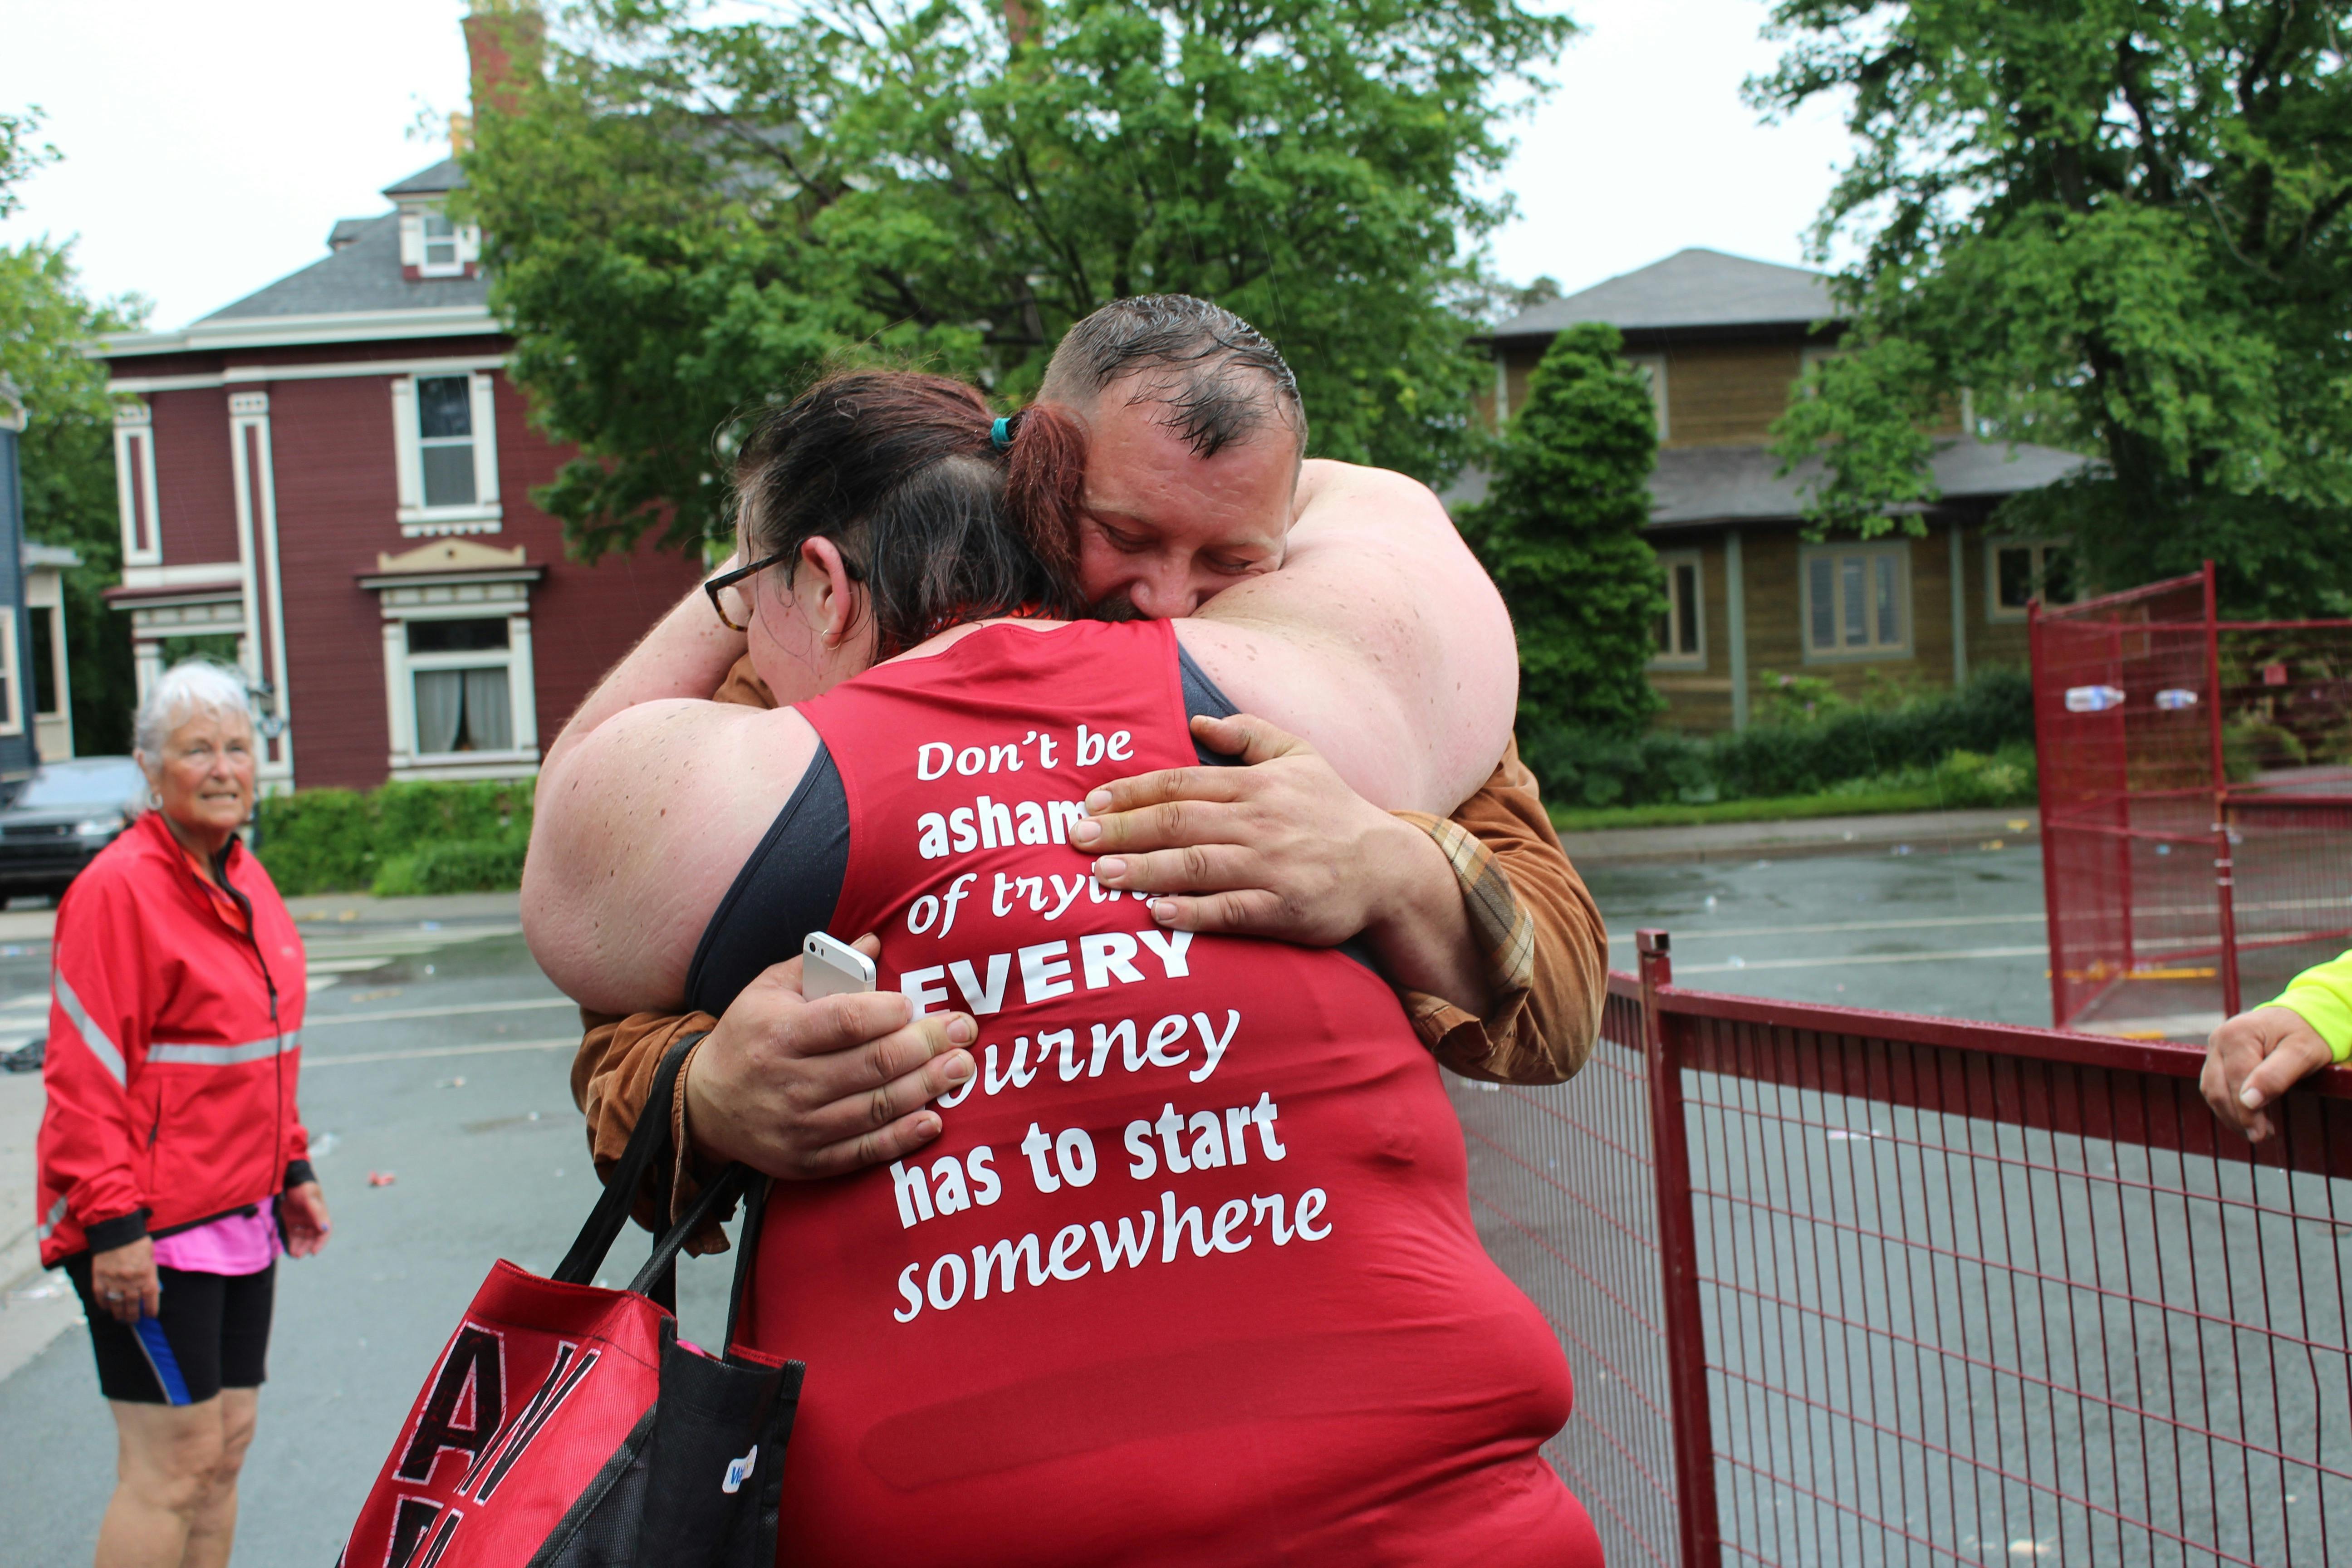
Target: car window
pixel 63 785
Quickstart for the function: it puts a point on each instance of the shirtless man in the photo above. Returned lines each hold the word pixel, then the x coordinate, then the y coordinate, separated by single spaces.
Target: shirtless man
pixel 1189 492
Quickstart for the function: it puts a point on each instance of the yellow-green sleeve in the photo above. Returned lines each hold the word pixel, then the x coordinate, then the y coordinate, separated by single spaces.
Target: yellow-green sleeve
pixel 2323 994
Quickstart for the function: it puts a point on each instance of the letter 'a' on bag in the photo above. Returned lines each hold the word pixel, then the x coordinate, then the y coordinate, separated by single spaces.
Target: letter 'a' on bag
pixel 568 1427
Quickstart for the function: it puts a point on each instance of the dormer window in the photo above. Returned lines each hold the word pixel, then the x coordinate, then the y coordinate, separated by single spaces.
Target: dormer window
pixel 441 257
pixel 435 244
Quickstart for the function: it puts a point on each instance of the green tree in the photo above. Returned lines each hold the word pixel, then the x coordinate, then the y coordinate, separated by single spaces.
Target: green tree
pixel 1560 531
pixel 2122 227
pixel 684 216
pixel 66 452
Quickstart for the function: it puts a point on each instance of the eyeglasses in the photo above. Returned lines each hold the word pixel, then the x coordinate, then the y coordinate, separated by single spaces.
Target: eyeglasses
pixel 718 586
pixel 725 582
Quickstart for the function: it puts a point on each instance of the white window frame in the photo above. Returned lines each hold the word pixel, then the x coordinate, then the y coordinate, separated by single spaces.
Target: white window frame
pixel 468 239
pixel 1651 369
pixel 484 514
pixel 1673 560
pixel 2041 545
pixel 1905 631
pixel 12 714
pixel 521 758
pixel 134 484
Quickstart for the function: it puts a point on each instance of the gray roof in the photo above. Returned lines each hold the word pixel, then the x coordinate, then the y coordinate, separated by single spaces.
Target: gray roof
pixel 1689 289
pixel 1723 484
pixel 444 175
pixel 362 276
pixel 1693 485
pixel 36 554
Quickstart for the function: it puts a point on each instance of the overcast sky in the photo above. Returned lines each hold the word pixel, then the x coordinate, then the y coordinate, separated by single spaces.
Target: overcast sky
pixel 209 147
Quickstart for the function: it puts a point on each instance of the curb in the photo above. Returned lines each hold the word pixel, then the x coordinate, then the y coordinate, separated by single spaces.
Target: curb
pixel 1918 833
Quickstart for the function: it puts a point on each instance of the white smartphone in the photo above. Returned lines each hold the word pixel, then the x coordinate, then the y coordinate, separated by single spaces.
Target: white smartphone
pixel 830 967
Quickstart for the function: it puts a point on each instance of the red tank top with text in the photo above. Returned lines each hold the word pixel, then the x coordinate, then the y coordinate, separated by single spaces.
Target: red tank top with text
pixel 1190 1277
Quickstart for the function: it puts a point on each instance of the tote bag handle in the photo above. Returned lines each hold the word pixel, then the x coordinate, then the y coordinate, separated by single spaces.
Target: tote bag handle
pixel 649 1140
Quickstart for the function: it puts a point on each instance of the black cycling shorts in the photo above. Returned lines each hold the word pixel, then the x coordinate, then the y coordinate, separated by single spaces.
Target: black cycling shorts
pixel 214 1334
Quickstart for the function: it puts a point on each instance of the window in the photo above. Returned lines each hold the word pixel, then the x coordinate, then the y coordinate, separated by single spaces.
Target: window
pixel 1857 600
pixel 1681 631
pixel 1652 371
pixel 12 696
pixel 2021 571
pixel 441 244
pixel 464 702
pixel 42 619
pixel 433 245
pixel 445 441
pixel 445 431
pixel 458 686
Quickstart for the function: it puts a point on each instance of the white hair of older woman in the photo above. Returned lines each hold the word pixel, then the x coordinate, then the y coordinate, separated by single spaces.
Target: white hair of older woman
pixel 188 688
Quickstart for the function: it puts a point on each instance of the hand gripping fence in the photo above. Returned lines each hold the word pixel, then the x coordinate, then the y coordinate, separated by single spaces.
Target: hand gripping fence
pixel 1850 1286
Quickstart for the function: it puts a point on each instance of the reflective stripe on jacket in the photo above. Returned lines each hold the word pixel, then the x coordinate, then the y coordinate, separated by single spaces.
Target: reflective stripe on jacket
pixel 174 1046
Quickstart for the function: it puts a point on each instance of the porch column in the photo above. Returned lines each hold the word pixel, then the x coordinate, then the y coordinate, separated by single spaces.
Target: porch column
pixel 1959 606
pixel 1735 607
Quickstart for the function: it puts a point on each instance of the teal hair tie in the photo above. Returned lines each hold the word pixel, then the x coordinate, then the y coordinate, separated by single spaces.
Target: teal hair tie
pixel 1001 435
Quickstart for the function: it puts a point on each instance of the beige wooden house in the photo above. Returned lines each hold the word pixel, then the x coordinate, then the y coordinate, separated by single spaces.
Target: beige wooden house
pixel 1722 342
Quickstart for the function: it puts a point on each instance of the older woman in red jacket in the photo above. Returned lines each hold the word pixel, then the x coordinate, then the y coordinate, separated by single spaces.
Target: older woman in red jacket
pixel 173 1160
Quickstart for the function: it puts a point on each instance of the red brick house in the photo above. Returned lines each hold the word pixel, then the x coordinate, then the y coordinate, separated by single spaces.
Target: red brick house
pixel 329 482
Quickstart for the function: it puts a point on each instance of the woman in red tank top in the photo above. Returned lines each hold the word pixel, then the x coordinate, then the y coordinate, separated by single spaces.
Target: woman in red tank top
pixel 1189 1275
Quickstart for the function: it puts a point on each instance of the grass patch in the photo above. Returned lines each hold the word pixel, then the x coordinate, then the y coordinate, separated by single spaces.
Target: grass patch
pixel 1781 808
pixel 1962 780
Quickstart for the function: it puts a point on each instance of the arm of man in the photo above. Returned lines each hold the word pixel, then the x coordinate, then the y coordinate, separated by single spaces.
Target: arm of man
pixel 1477 918
pixel 1379 639
pixel 2253 1059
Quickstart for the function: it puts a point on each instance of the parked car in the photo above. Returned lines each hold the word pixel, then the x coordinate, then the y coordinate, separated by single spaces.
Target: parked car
pixel 58 820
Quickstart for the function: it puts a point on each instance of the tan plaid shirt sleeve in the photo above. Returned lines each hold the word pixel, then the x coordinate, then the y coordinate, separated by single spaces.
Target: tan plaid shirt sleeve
pixel 1545 948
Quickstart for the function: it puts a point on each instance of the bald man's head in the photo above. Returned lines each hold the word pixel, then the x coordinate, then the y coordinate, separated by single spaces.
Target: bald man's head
pixel 1195 434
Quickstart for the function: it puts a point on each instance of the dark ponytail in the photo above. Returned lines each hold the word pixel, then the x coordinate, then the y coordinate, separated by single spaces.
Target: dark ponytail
pixel 941 523
pixel 1045 484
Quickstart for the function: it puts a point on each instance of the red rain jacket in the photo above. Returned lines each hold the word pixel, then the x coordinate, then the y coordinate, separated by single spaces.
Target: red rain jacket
pixel 174 1049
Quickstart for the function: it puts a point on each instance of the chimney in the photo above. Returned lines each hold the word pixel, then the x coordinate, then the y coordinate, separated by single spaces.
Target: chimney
pixel 503 40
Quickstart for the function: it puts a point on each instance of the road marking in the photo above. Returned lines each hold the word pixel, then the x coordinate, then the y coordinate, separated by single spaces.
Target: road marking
pixel 395 1015
pixel 421 1053
pixel 1835 960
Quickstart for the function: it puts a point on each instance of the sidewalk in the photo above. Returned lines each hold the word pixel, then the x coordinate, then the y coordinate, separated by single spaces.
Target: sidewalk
pixel 1916 833
pixel 336 915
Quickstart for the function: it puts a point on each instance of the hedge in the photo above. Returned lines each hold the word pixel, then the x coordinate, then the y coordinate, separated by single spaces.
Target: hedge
pixel 403 838
pixel 1794 753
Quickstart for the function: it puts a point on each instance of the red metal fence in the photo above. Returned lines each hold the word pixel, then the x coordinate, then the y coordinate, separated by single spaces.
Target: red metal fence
pixel 1849 1286
pixel 2196 804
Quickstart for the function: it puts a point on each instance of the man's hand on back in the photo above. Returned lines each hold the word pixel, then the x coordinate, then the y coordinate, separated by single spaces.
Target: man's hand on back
pixel 1284 849
pixel 803 1090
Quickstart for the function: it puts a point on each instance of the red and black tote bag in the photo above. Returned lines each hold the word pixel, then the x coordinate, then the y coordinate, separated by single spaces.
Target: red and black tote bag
pixel 568 1427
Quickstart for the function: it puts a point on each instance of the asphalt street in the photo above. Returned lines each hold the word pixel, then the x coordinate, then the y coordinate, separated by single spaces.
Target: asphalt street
pixel 1956 935
pixel 438 1058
